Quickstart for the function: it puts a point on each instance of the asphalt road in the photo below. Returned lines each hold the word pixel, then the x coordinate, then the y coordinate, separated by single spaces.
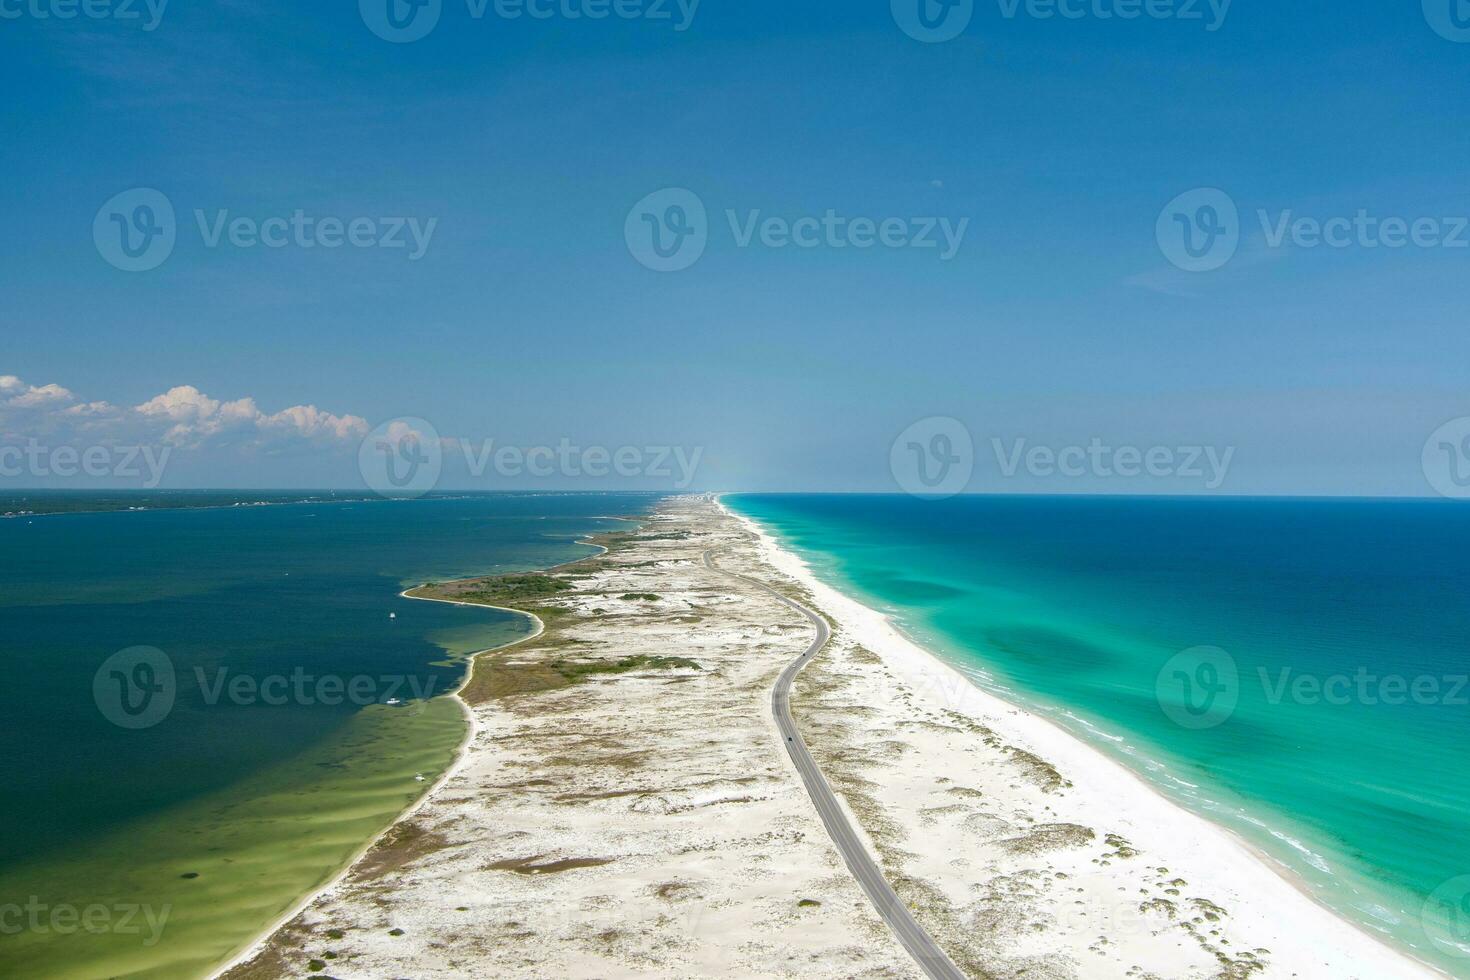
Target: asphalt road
pixel 921 947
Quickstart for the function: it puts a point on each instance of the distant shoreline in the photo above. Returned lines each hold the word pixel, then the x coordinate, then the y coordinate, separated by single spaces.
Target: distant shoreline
pixel 164 508
pixel 243 499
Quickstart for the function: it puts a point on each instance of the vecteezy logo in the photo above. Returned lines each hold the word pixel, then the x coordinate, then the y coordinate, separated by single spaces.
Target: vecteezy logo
pixel 1449 18
pixel 1446 459
pixel 134 688
pixel 933 458
pixel 1446 917
pixel 668 230
pixel 933 21
pixel 401 458
pixel 1199 231
pixel 400 21
pixel 135 230
pixel 1199 687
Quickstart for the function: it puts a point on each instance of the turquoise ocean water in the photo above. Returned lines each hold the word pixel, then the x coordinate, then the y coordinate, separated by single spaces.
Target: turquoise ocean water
pixel 1293 669
pixel 248 791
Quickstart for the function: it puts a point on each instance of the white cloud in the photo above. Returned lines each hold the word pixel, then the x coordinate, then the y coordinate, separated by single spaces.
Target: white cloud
pixel 182 416
pixel 196 417
pixel 312 423
pixel 22 395
pixel 92 410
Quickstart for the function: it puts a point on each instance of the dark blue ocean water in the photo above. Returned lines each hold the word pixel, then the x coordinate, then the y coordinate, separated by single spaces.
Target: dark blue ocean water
pixel 257 796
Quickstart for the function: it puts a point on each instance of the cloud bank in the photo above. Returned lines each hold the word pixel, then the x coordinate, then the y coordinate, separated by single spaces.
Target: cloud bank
pixel 183 416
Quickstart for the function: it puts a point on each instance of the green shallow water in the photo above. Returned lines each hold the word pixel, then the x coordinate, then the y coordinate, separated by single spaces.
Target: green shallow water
pixel 256 848
pixel 1115 617
pixel 182 840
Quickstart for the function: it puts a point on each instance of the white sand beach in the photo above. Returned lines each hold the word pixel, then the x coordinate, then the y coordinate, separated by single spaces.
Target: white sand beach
pixel 1153 875
pixel 625 807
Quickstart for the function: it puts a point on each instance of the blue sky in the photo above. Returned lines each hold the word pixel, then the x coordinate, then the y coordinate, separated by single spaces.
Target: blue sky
pixel 526 320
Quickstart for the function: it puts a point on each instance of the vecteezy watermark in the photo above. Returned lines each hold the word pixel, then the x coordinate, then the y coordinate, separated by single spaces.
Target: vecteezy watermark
pixel 1201 687
pixel 936 21
pixel 96 918
pixel 1207 465
pixel 1363 230
pixel 1198 688
pixel 668 231
pixel 932 21
pixel 406 21
pixel 676 463
pixel 1365 687
pixel 135 688
pixel 137 230
pixel 301 230
pixel 1445 917
pixel 401 21
pixel 145 463
pixel 835 231
pixel 148 12
pixel 301 687
pixel 1209 13
pixel 933 458
pixel 138 687
pixel 1200 231
pixel 403 457
pixel 1446 459
pixel 1449 18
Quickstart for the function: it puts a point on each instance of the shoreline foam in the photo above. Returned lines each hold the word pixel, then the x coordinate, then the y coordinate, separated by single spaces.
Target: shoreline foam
pixel 1266 898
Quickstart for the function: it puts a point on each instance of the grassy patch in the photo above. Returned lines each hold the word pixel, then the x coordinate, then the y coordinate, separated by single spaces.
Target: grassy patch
pixel 499 678
pixel 516 588
pixel 401 845
pixel 575 671
pixel 535 866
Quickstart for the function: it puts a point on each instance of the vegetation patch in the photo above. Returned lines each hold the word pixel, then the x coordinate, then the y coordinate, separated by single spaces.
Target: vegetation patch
pixel 577 670
pixel 498 678
pixel 517 588
pixel 1038 771
pixel 402 844
pixel 536 866
pixel 1048 837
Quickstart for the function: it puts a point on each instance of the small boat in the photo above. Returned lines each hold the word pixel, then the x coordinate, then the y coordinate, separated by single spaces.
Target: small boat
pixel 392 702
pixel 392 615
